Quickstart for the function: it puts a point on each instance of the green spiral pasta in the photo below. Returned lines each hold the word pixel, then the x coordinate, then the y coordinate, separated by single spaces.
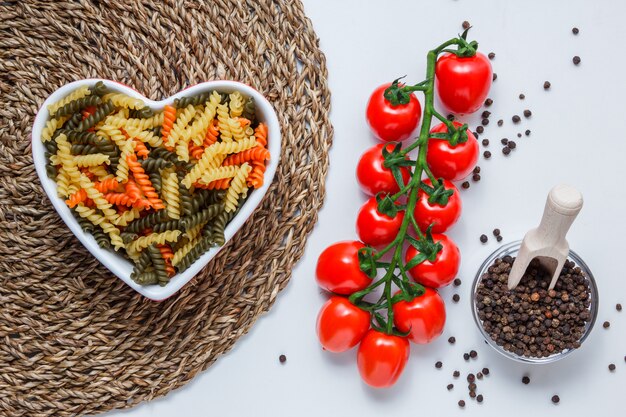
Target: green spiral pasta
pixel 162 153
pixel 202 216
pixel 128 237
pixel 156 131
pixel 139 225
pixel 82 138
pixel 143 113
pixel 181 103
pixel 71 123
pixel 215 229
pixel 203 245
pixel 51 146
pixel 78 149
pixel 168 225
pixel 145 278
pixel 249 109
pixel 51 170
pixel 155 164
pixel 159 264
pixel 99 89
pixel 101 112
pixel 77 105
pixel 101 238
pixel 155 179
pixel 84 224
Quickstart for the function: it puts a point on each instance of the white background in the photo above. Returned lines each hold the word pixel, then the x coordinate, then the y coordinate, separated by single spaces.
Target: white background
pixel 578 137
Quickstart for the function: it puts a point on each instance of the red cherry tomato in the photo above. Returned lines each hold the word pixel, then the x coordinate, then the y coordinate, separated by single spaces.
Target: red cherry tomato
pixel 381 358
pixel 440 272
pixel 338 268
pixel 463 83
pixel 443 217
pixel 392 123
pixel 424 317
pixel 373 177
pixel 374 228
pixel 451 162
pixel 341 325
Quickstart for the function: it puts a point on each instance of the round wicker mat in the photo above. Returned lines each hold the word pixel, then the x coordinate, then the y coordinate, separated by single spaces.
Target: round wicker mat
pixel 75 339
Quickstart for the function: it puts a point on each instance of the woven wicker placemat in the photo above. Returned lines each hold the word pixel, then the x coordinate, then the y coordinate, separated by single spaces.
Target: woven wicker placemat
pixel 75 339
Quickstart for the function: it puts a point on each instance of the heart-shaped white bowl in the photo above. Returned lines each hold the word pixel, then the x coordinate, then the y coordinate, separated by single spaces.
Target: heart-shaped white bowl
pixel 117 264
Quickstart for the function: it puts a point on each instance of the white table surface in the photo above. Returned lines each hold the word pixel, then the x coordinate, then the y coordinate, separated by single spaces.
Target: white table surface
pixel 578 137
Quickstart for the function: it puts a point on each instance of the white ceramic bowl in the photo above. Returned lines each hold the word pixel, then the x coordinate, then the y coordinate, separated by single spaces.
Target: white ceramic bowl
pixel 115 262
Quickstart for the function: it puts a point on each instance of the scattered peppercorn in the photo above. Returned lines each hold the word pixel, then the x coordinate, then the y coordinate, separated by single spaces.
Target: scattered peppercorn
pixel 480 129
pixel 522 96
pixel 466 24
pixel 496 232
pixel 479 375
pixel 487 154
pixel 452 340
pixel 486 114
pixel 546 85
pixel 485 142
pixel 473 354
pixel 479 398
pixel 456 374
pixel 516 119
pixel 527 133
pixel 450 386
pixel 504 141
pixel 484 122
pixel 618 307
pixel 506 150
pixel 457 282
pixel 471 377
pixel 488 102
pixel 511 144
pixel 438 365
pixel 527 113
pixel 476 170
pixel 466 356
pixel 555 399
pixel 606 324
pixel 525 380
pixel 472 394
pixel 456 298
pixel 576 60
pixel 282 358
pixel 491 55
pixel 500 122
pixel 484 238
pixel 465 185
pixel 475 134
pixel 461 403
pixel 499 238
pixel 612 367
pixel 485 371
pixel 519 135
pixel 476 177
pixel 495 76
pixel 575 30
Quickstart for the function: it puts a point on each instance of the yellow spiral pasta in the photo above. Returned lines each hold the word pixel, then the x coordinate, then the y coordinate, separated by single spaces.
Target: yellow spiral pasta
pixel 237 187
pixel 74 95
pixel 145 136
pixel 119 121
pixel 210 153
pixel 197 131
pixel 236 130
pixel 216 161
pixel 66 159
pixel 122 167
pixel 236 104
pixel 63 183
pixel 101 203
pixel 127 216
pixel 182 252
pixel 101 173
pixel 194 232
pixel 122 100
pixel 181 123
pixel 219 173
pixel 154 238
pixel 98 220
pixel 223 116
pixel 51 126
pixel 170 193
pixel 113 133
pixel 91 160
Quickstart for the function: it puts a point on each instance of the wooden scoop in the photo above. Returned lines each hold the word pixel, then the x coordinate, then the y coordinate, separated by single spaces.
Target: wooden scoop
pixel 547 242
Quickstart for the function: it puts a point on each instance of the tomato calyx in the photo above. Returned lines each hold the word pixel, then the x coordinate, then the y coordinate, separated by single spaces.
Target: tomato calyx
pixel 398 94
pixel 367 262
pixel 437 194
pixel 454 135
pixel 464 48
pixel 427 248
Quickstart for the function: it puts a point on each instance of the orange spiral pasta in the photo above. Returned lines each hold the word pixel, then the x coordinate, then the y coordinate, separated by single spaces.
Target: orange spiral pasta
pixel 211 134
pixel 255 178
pixel 221 184
pixel 80 196
pixel 121 199
pixel 167 254
pixel 195 150
pixel 169 117
pixel 133 190
pixel 107 185
pixel 258 153
pixel 144 183
pixel 243 121
pixel 141 149
pixel 260 134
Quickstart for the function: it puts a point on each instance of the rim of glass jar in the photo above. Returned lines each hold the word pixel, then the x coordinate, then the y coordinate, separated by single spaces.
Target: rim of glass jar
pixel 510 249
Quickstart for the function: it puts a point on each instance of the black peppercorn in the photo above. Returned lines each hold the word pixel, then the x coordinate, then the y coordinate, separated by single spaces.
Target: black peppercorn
pixel 282 358
pixel 452 340
pixel 491 55
pixel 483 238
pixel 576 60
pixel 526 380
pixel 546 85
pixel 555 399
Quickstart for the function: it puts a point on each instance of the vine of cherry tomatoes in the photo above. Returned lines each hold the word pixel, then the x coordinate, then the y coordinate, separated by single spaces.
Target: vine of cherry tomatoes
pixel 411 204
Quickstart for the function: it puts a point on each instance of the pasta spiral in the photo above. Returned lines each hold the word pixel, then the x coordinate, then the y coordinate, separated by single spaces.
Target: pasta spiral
pixel 170 192
pixel 237 187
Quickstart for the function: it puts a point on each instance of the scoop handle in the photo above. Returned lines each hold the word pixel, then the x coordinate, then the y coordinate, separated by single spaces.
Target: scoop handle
pixel 562 206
